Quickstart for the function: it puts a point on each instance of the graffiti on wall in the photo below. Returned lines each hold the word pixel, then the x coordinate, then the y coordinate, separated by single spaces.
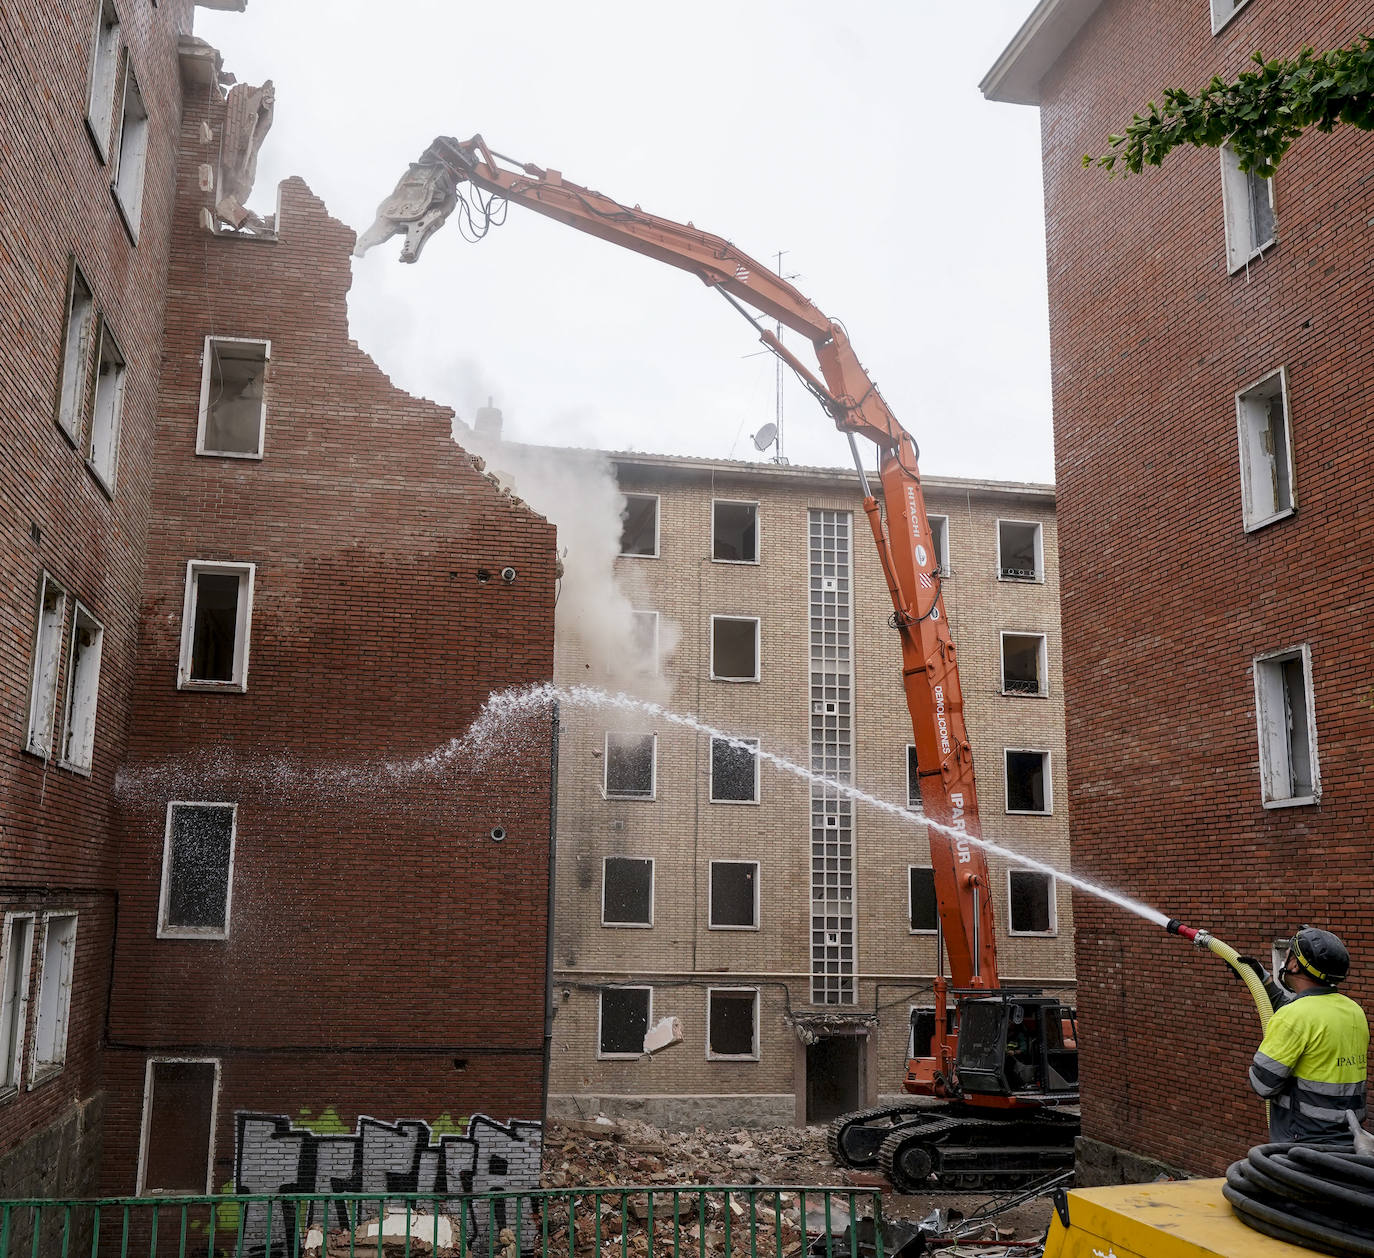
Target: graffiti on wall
pixel 273 1155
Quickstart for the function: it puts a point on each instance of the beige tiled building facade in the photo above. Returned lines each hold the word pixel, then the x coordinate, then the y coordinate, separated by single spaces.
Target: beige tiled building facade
pixel 788 929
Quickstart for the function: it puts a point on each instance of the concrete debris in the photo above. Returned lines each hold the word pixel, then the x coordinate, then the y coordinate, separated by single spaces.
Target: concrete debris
pixel 668 1031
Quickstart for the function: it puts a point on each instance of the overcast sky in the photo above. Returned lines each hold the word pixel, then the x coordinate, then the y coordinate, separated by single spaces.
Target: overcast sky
pixel 852 137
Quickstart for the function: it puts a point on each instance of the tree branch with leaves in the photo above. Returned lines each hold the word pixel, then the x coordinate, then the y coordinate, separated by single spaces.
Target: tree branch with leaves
pixel 1259 115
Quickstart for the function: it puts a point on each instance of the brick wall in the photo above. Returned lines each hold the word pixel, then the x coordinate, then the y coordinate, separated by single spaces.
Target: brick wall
pixel 1166 599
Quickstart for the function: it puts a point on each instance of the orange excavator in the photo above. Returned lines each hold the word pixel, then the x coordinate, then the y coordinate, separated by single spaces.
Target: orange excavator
pixel 1000 1063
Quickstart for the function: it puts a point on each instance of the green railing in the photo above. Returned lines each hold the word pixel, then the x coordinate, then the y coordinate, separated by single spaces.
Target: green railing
pixel 652 1221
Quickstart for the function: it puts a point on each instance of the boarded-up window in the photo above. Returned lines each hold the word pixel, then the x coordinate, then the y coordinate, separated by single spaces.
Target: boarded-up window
pixel 734 771
pixel 630 766
pixel 1266 458
pixel 735 648
pixel 624 1016
pixel 732 1022
pixel 1284 708
pixel 76 355
pixel 639 527
pixel 734 895
pixel 102 441
pixel 132 157
pixel 103 76
pixel 735 532
pixel 1030 894
pixel 178 1122
pixel 232 392
pixel 15 956
pixel 627 897
pixel 924 910
pixel 1028 781
pixel 54 992
pixel 83 690
pixel 196 869
pixel 47 659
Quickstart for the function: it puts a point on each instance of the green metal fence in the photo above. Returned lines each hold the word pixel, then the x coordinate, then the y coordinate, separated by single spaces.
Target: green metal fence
pixel 651 1221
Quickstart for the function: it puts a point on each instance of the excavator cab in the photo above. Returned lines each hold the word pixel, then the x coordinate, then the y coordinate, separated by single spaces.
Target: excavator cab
pixel 1017 1044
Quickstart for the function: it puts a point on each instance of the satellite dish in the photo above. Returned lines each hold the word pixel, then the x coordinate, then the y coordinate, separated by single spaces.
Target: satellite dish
pixel 765 436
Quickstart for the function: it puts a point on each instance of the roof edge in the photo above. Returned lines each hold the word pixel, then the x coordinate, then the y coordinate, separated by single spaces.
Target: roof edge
pixel 1016 75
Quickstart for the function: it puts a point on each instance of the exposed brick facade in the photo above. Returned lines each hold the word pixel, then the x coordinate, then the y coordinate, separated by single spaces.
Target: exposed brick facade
pixel 1167 599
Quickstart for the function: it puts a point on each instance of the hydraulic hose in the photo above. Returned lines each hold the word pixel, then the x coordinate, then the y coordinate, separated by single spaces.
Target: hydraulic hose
pixel 1216 947
pixel 1318 1196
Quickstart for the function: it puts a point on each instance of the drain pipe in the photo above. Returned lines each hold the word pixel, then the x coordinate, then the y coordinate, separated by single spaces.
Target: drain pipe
pixel 548 919
pixel 1202 939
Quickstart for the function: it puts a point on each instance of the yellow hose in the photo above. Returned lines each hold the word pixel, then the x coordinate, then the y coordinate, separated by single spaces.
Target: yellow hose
pixel 1248 976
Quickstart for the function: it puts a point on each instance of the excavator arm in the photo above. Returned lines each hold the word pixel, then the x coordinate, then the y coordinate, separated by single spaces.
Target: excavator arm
pixel 467 176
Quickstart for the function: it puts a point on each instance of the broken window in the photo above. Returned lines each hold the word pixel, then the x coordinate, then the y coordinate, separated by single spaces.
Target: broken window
pixel 624 1014
pixel 913 780
pixel 939 535
pixel 734 771
pixel 83 689
pixel 627 891
pixel 732 1022
pixel 1028 781
pixel 735 531
pixel 1248 205
pixel 1266 451
pixel 1285 711
pixel 102 443
pixel 197 871
pixel 16 948
pixel 734 895
pixel 132 158
pixel 54 994
pixel 735 648
pixel 179 1098
pixel 215 624
pixel 1019 551
pixel 629 764
pixel 1030 900
pixel 47 659
pixel 100 86
pixel 639 525
pixel 922 908
pixel 1023 664
pixel 645 630
pixel 233 412
pixel 76 354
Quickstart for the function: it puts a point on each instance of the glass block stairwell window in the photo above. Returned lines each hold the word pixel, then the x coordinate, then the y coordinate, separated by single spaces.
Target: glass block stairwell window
pixel 832 751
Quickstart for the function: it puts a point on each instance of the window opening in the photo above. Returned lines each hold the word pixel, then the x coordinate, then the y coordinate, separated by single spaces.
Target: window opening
pixel 218 611
pixel 645 639
pixel 14 1000
pixel 197 870
pixel 83 690
pixel 133 153
pixel 734 771
pixel 1019 551
pixel 913 780
pixel 47 658
pixel 629 762
pixel 1223 11
pixel 233 410
pixel 734 648
pixel 54 994
pixel 923 909
pixel 76 355
pixel 102 444
pixel 639 527
pixel 1030 895
pixel 1023 664
pixel 103 77
pixel 732 1021
pixel 1287 728
pixel 1266 450
pixel 735 531
pixel 939 534
pixel 1028 781
pixel 734 895
pixel 179 1098
pixel 624 1015
pixel 1248 206
pixel 627 891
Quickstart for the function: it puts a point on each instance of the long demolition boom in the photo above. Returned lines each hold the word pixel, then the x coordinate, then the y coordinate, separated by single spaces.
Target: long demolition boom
pixel 429 193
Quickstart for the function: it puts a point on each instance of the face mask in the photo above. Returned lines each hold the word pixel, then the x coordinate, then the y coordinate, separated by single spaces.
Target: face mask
pixel 1285 974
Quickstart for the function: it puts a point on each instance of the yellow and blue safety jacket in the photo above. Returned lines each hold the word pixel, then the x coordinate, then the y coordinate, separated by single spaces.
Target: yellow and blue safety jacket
pixel 1312 1066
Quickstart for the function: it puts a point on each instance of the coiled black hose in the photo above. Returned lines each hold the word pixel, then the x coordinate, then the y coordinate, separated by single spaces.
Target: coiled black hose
pixel 1318 1196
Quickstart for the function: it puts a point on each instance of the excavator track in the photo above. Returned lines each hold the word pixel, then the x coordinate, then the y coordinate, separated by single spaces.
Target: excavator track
pixel 853 1139
pixel 968 1154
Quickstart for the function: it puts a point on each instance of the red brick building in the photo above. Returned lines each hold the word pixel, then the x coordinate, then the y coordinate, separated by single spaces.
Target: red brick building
pixel 249 587
pixel 1212 339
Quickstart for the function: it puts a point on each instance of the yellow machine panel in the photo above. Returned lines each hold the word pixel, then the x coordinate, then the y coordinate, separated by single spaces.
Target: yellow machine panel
pixel 1183 1219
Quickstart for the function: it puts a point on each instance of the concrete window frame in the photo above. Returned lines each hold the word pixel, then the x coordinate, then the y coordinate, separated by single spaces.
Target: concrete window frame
pixel 628 923
pixel 1248 210
pixel 131 157
pixel 78 338
pixel 650 793
pixel 1017 689
pixel 219 350
pixel 939 538
pixel 911 901
pixel 56 972
pixel 646 640
pixel 1051 905
pixel 167 929
pixel 733 992
pixel 1014 573
pixel 601 1054
pixel 83 691
pixel 140 1185
pixel 758 635
pixel 1265 443
pixel 1223 11
pixel 754 797
pixel 14 999
pixel 243 624
pixel 107 410
pixel 717 503
pixel 1048 781
pixel 1286 725
pixel 711 923
pixel 658 521
pixel 102 77
pixel 50 625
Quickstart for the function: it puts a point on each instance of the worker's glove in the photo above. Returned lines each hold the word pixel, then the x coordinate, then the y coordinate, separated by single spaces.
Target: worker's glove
pixel 1277 995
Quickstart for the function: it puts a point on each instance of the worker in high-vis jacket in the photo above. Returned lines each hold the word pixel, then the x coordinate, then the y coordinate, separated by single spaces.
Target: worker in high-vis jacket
pixel 1312 1064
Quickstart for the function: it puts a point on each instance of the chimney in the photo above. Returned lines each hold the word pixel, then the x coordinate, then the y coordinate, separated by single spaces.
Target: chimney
pixel 488 421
